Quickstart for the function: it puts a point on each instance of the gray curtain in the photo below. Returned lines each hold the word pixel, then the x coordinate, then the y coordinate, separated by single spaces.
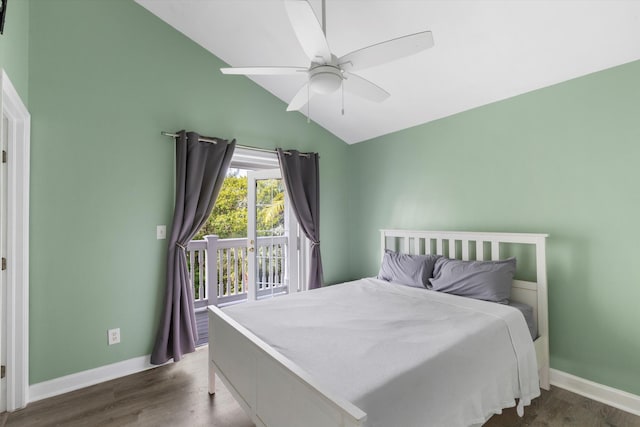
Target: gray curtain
pixel 301 177
pixel 200 171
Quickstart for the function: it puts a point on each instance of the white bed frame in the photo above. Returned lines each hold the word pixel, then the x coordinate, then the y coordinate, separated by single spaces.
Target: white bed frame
pixel 275 392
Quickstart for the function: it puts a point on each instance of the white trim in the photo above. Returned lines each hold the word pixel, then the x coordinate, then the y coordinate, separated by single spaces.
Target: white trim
pixel 18 152
pixel 244 158
pixel 608 395
pixel 89 377
pixel 531 238
pixel 304 260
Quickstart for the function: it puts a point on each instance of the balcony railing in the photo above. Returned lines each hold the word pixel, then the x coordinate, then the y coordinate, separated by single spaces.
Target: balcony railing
pixel 218 269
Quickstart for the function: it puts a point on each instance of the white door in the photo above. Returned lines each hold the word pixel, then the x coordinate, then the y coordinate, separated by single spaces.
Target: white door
pixel 272 237
pixel 3 254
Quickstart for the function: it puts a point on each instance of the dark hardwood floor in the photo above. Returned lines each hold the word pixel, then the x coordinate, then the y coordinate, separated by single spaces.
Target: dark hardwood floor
pixel 176 395
pixel 562 408
pixel 170 395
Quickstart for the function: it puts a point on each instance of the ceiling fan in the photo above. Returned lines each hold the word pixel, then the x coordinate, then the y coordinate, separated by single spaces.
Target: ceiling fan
pixel 327 73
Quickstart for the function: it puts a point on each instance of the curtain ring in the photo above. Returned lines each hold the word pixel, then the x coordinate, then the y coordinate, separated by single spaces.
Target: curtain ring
pixel 181 246
pixel 314 244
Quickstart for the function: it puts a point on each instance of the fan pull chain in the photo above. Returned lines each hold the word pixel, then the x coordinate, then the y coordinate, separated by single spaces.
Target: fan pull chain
pixel 342 97
pixel 308 103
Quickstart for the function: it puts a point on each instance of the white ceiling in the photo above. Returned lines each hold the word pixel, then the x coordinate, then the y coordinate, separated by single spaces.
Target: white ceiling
pixel 484 51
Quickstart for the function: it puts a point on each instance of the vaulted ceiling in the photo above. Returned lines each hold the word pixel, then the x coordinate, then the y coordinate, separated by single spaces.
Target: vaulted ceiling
pixel 484 51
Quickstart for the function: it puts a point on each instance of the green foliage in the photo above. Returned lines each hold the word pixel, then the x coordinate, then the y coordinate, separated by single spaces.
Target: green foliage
pixel 270 207
pixel 228 220
pixel 229 216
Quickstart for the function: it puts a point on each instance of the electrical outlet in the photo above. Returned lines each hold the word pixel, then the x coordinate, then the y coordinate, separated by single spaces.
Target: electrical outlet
pixel 161 232
pixel 113 336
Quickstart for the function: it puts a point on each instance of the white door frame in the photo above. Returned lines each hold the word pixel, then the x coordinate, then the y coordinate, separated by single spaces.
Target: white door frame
pixel 17 304
pixel 259 161
pixel 252 238
pixel 252 235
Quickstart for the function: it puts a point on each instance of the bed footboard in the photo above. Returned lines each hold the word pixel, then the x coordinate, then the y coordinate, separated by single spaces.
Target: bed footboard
pixel 271 389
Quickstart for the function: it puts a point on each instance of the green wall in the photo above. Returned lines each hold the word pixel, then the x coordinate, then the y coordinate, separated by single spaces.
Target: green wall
pixel 14 47
pixel 562 160
pixel 105 78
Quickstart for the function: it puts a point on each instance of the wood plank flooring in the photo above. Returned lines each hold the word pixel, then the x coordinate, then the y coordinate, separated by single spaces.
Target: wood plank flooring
pixel 176 395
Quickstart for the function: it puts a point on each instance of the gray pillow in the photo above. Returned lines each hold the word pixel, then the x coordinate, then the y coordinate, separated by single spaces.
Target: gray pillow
pixel 485 280
pixel 411 270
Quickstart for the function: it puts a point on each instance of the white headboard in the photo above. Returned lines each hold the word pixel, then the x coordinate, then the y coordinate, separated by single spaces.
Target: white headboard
pixel 481 246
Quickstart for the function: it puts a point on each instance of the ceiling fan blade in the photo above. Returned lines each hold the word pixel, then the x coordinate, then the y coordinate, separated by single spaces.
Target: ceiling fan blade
pixel 308 29
pixel 386 51
pixel 364 88
pixel 266 71
pixel 301 98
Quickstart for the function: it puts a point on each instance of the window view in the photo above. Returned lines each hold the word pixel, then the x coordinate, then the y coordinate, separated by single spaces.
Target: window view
pixel 271 240
pixel 229 216
pixel 239 260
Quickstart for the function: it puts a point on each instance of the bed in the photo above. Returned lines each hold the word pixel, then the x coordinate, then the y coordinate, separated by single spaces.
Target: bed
pixel 340 372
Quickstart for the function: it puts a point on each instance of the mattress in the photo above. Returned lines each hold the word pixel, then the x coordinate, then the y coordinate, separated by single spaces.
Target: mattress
pixel 405 356
pixel 527 312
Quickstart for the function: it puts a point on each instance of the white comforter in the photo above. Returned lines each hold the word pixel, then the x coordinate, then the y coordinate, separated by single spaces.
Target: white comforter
pixel 405 356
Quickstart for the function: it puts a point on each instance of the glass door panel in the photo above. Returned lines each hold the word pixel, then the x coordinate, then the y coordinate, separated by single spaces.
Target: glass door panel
pixel 271 236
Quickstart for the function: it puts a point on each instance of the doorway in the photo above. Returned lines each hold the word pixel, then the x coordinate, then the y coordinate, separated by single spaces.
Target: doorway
pixel 3 254
pixel 14 244
pixel 272 237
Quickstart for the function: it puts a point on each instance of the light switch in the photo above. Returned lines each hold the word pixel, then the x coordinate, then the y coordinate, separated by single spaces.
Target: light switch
pixel 161 232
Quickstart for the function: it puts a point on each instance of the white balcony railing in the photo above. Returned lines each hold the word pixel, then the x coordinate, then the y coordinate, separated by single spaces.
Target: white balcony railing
pixel 219 272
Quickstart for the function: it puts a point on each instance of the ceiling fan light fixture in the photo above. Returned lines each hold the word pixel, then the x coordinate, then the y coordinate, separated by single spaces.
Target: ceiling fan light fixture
pixel 326 73
pixel 325 79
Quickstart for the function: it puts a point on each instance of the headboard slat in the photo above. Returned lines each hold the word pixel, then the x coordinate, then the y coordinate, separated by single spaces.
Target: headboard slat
pixel 479 250
pixel 495 250
pixel 452 248
pixel 465 250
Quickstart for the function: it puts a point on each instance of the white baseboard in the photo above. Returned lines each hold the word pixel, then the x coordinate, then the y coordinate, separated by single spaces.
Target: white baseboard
pixel 608 395
pixel 87 378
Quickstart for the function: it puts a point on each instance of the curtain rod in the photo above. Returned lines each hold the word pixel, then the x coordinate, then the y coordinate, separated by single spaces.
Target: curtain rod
pixel 214 141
